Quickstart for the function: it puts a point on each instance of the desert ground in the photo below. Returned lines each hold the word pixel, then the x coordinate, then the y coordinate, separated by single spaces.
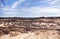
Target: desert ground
pixel 30 28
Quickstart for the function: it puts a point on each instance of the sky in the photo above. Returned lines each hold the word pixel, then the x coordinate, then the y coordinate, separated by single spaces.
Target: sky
pixel 29 8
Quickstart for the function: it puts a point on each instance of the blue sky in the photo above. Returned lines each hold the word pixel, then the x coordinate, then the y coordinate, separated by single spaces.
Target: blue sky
pixel 29 8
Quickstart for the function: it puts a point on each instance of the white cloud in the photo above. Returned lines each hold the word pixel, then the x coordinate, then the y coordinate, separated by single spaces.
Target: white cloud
pixel 55 2
pixel 9 11
pixel 16 3
pixel 36 9
pixel 41 10
pixel 33 10
pixel 51 1
pixel 1 5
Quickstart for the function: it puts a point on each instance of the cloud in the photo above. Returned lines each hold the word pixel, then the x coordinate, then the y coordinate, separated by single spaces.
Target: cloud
pixel 34 10
pixel 41 10
pixel 16 3
pixel 1 4
pixel 37 10
pixel 55 2
pixel 51 1
pixel 9 11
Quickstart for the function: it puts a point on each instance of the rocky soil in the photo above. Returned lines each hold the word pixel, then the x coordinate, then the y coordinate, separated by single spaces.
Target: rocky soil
pixel 30 28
